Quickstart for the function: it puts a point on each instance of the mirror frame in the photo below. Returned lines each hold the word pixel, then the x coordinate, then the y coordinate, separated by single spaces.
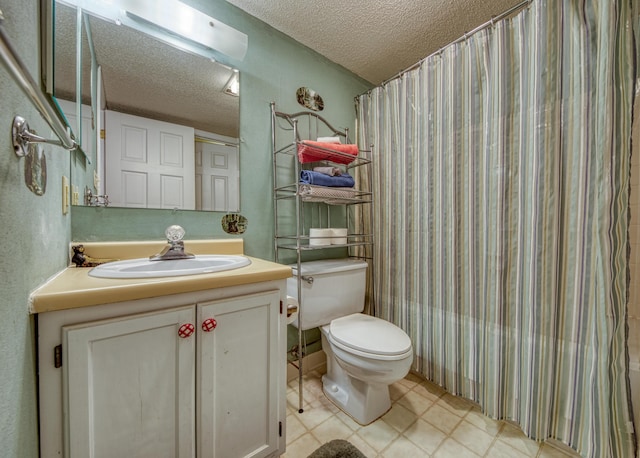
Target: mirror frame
pixel 47 71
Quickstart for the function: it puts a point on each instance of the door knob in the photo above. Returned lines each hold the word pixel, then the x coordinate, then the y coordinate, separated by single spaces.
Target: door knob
pixel 209 324
pixel 186 330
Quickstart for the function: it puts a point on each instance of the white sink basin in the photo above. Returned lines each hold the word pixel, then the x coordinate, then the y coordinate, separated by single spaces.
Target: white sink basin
pixel 145 268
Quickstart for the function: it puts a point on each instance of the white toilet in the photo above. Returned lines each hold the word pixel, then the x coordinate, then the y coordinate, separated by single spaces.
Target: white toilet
pixel 364 354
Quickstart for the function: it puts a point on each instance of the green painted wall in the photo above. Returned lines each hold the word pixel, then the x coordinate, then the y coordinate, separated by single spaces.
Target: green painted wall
pixel 274 67
pixel 35 236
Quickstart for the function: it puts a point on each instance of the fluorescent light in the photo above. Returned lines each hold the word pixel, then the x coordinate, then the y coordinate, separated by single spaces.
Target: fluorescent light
pixel 175 17
pixel 192 24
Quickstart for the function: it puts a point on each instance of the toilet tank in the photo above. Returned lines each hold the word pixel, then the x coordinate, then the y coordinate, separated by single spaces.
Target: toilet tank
pixel 331 288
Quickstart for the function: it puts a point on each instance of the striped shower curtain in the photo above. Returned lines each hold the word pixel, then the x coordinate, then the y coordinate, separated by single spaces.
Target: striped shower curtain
pixel 500 180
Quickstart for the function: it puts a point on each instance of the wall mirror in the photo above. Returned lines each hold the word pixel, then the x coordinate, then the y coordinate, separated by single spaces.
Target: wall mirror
pixel 164 122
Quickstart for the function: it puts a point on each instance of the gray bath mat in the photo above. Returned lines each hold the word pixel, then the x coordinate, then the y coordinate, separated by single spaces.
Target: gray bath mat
pixel 337 449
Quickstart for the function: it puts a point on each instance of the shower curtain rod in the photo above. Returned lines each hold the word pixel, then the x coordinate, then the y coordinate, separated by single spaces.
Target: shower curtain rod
pixel 490 22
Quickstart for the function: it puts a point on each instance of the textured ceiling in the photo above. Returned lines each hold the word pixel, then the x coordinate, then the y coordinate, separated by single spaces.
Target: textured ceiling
pixel 374 39
pixel 145 77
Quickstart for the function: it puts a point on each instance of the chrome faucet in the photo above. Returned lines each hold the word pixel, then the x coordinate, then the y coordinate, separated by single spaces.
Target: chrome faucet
pixel 175 248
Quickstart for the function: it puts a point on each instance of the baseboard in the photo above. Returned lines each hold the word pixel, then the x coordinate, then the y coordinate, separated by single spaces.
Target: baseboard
pixel 314 362
pixel 560 446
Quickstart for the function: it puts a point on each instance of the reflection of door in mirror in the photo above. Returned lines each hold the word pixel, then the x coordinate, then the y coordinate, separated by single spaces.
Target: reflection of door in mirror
pixel 143 76
pixel 148 163
pixel 217 177
pixel 155 164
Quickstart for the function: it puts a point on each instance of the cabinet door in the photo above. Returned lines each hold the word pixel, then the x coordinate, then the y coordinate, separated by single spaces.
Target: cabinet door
pixel 238 363
pixel 129 386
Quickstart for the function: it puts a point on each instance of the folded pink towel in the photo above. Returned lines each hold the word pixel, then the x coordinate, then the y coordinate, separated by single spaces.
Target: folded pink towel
pixel 310 151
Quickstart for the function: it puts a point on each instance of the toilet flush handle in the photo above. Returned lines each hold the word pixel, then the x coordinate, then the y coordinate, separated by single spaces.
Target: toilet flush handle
pixel 307 279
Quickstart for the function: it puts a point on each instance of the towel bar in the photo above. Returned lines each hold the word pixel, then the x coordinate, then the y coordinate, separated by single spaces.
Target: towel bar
pixel 20 130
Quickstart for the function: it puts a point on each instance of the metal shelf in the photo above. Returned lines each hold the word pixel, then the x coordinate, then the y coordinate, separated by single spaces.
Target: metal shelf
pixel 322 194
pixel 356 161
pixel 306 245
pixel 286 165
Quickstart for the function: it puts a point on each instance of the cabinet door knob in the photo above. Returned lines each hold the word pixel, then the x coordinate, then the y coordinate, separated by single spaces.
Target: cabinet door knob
pixel 209 324
pixel 186 330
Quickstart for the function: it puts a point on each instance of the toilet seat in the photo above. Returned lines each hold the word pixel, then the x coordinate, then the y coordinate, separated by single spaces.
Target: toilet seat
pixel 370 337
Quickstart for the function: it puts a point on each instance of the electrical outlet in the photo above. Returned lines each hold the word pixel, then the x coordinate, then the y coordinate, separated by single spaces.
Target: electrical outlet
pixel 75 195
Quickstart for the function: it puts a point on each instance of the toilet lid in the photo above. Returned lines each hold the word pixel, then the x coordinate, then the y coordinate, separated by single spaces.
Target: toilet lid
pixel 370 335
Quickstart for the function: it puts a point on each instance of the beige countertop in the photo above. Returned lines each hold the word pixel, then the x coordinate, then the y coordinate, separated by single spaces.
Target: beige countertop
pixel 73 287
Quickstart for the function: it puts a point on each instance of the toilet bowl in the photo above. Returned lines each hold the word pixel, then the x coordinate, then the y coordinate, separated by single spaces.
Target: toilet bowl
pixel 365 354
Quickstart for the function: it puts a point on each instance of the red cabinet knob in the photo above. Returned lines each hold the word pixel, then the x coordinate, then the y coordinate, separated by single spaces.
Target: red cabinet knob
pixel 186 330
pixel 209 324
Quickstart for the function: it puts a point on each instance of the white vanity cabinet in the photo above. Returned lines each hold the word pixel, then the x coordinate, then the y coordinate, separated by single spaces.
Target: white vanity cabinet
pixel 128 386
pixel 190 375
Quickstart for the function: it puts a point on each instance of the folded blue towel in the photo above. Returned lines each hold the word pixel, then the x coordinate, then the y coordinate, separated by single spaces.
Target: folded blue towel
pixel 320 179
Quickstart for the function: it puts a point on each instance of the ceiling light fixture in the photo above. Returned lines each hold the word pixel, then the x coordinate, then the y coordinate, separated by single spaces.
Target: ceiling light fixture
pixel 188 22
pixel 187 27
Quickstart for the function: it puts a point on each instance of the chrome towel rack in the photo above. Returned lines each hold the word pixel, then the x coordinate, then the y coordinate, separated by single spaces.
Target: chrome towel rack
pixel 22 137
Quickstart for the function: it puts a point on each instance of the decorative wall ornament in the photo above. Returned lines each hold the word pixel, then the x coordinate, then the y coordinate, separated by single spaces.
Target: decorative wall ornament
pixel 310 99
pixel 234 223
pixel 35 169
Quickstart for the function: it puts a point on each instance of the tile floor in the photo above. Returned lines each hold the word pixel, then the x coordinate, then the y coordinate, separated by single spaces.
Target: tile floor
pixel 424 421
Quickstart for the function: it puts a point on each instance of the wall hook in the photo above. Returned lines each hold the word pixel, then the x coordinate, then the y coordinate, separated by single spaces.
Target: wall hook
pixel 22 137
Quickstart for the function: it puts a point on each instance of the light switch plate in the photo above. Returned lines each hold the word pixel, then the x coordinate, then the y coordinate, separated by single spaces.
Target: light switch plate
pixel 65 195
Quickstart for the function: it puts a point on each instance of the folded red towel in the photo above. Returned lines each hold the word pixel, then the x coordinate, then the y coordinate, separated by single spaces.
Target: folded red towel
pixel 310 151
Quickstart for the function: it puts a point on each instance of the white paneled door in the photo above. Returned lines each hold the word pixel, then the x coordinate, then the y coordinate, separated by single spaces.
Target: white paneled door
pixel 148 163
pixel 217 176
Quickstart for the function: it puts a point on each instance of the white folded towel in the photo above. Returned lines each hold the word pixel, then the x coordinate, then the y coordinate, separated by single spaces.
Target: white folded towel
pixel 331 171
pixel 329 139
